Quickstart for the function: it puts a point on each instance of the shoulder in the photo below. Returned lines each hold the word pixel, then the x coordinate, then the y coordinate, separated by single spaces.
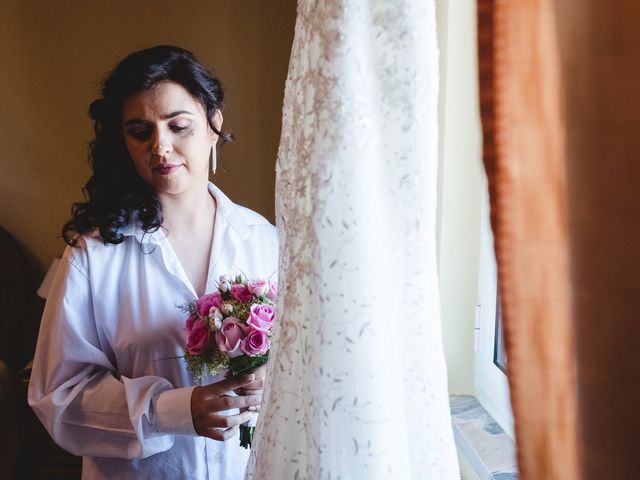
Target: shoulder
pixel 259 229
pixel 78 253
pixel 258 249
pixel 252 218
pixel 90 251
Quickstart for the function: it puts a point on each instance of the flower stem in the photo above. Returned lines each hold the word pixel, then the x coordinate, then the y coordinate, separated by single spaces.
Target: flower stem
pixel 246 436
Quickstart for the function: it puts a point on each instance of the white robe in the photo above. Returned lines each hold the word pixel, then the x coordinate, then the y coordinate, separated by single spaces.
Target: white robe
pixel 106 382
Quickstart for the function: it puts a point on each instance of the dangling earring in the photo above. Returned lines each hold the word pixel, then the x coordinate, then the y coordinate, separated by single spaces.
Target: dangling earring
pixel 213 158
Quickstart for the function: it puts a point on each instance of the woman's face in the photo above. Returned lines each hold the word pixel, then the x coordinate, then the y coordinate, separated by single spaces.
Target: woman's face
pixel 168 137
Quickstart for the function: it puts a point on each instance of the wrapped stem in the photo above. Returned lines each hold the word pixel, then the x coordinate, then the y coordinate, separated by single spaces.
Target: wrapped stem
pixel 240 365
pixel 246 435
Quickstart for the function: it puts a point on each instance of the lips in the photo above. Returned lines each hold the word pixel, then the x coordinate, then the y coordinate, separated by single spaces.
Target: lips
pixel 166 169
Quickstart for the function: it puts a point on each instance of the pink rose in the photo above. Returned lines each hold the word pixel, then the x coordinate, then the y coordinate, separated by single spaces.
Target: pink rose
pixel 190 321
pixel 199 338
pixel 261 317
pixel 273 291
pixel 258 286
pixel 256 343
pixel 241 293
pixel 204 303
pixel 230 336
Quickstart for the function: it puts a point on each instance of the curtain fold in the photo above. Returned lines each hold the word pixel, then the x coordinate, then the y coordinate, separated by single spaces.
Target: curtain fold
pixel 357 381
pixel 560 118
pixel 524 142
pixel 599 45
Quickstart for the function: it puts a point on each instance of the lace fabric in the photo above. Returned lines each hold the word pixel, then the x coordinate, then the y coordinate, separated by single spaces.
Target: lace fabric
pixel 357 379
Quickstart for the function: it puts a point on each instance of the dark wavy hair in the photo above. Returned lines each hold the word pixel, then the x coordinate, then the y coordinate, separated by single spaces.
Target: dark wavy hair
pixel 115 191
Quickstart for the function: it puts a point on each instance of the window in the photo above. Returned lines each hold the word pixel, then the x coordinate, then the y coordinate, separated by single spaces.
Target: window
pixel 490 380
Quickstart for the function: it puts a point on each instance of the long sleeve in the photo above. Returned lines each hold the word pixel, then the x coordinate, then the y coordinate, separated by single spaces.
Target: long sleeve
pixel 75 388
pixel 108 382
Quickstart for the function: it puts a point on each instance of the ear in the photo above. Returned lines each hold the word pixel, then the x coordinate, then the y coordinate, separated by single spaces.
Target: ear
pixel 217 122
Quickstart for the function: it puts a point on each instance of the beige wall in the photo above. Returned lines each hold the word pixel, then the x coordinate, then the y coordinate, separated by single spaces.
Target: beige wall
pixel 52 57
pixel 460 188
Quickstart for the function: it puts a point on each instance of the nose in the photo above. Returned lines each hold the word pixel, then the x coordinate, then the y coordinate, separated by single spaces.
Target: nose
pixel 160 145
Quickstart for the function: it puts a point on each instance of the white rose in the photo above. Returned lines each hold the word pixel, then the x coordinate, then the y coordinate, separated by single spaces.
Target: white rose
pixel 215 318
pixel 258 286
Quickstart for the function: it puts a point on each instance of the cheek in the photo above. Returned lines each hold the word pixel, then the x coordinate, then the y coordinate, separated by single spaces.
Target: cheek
pixel 140 162
pixel 197 152
pixel 138 154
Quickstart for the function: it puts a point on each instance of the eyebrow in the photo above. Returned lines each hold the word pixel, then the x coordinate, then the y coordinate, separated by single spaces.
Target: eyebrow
pixel 137 121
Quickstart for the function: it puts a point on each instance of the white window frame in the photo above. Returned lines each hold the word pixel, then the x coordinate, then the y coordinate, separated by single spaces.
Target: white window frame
pixel 490 382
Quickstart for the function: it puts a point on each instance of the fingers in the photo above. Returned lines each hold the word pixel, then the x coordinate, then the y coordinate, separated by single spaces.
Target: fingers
pixel 207 403
pixel 248 391
pixel 202 405
pixel 231 383
pixel 257 384
pixel 227 402
pixel 259 380
pixel 253 408
pixel 239 419
pixel 220 435
pixel 224 427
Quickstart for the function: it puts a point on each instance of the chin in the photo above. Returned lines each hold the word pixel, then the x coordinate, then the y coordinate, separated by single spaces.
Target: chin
pixel 167 185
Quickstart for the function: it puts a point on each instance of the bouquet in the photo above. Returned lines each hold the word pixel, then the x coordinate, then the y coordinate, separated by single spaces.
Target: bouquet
pixel 231 329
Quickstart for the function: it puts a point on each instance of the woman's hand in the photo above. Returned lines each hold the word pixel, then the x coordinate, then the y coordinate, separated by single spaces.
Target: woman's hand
pixel 209 400
pixel 255 387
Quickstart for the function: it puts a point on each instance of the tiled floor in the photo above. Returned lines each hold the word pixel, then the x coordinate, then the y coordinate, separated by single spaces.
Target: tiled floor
pixel 481 440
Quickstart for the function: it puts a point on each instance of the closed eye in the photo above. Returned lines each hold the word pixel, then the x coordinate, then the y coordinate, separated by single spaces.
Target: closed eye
pixel 179 128
pixel 139 133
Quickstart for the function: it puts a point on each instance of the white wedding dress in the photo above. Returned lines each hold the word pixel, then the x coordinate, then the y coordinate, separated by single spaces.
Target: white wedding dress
pixel 358 385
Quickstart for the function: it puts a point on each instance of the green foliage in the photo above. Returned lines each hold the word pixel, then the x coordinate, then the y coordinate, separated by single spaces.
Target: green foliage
pixel 245 363
pixel 240 310
pixel 207 363
pixel 188 308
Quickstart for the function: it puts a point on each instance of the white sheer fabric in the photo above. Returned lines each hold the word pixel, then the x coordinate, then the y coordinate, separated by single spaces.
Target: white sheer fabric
pixel 357 376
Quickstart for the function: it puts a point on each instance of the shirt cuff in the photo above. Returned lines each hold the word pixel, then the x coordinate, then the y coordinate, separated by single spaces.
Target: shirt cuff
pixel 173 412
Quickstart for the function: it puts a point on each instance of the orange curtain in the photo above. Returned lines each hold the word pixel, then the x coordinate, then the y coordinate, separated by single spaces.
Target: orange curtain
pixel 600 52
pixel 560 103
pixel 524 140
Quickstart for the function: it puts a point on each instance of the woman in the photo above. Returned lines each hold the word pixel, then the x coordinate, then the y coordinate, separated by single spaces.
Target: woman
pixel 107 381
